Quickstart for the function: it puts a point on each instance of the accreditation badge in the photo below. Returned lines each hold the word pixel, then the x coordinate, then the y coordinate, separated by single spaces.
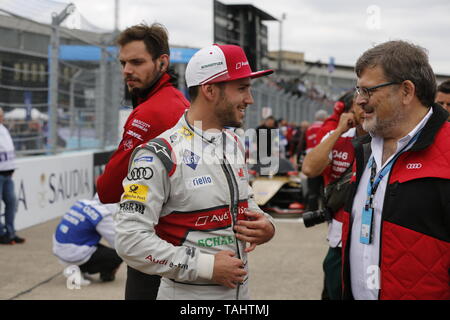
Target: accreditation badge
pixel 366 225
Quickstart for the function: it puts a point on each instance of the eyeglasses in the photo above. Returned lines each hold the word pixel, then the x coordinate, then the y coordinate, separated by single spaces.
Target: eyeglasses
pixel 365 93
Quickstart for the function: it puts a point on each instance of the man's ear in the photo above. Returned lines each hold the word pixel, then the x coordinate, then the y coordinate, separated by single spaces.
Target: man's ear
pixel 163 63
pixel 209 91
pixel 408 91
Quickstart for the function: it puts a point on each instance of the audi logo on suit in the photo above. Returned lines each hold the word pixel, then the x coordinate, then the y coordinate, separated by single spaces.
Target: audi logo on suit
pixel 413 166
pixel 145 173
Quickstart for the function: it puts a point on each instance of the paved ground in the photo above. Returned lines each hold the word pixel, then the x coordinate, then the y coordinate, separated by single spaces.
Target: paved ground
pixel 287 268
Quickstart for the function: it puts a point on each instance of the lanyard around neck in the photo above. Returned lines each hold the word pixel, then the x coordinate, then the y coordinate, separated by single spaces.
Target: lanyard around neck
pixel 375 180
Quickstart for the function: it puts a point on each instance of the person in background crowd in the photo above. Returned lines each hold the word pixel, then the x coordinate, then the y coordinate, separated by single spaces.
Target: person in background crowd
pixel 311 132
pixel 8 195
pixel 333 158
pixel 443 95
pixel 291 128
pixel 314 185
pixel 298 144
pixel 343 104
pixel 282 134
pixel 264 138
pixel 77 238
pixel 157 106
pixel 167 225
pixel 396 226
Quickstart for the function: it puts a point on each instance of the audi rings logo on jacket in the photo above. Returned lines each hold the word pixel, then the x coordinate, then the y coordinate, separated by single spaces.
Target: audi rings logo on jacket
pixel 145 173
pixel 413 166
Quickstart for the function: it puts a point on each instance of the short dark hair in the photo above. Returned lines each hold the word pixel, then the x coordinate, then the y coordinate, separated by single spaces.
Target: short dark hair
pixel 194 90
pixel 347 99
pixel 155 37
pixel 444 87
pixel 400 61
pixel 193 93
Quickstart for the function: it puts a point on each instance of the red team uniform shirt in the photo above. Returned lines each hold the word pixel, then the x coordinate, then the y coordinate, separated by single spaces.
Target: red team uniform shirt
pixel 341 156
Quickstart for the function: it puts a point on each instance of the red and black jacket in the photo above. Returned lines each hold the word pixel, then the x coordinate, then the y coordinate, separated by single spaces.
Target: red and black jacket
pixel 153 114
pixel 415 228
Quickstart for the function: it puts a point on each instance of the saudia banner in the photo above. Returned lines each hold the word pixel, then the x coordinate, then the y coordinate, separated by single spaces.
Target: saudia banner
pixel 47 186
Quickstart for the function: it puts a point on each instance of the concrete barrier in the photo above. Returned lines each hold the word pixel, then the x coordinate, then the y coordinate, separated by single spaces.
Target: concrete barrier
pixel 46 186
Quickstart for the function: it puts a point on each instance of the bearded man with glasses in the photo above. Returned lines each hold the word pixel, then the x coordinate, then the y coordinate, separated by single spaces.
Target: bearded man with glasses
pixel 396 231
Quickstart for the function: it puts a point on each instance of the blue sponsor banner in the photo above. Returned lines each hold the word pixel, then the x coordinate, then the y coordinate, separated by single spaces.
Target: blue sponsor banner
pixel 331 65
pixel 181 55
pixel 83 53
pixel 93 53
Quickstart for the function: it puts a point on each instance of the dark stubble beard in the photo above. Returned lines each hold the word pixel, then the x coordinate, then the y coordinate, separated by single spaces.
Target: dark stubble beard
pixel 225 113
pixel 142 92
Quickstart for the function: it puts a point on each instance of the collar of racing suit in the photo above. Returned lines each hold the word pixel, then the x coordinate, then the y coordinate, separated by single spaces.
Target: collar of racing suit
pixel 207 136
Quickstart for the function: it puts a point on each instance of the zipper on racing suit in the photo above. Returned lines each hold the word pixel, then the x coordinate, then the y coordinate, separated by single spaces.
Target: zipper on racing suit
pixel 234 205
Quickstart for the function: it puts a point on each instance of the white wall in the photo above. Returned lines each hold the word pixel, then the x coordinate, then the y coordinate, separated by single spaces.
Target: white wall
pixel 46 186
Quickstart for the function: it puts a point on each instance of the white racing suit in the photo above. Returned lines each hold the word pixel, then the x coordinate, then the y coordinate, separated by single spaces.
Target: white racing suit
pixel 182 197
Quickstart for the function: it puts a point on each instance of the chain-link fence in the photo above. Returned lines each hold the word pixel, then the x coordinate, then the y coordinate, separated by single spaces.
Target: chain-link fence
pixel 88 104
pixel 60 89
pixel 270 100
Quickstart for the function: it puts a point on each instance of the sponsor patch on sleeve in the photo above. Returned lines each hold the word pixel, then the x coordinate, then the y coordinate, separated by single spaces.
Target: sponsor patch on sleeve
pixel 143 159
pixel 128 144
pixel 132 207
pixel 135 192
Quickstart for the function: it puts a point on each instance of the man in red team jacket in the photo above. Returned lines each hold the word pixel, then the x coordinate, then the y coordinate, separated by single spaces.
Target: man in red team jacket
pixel 157 106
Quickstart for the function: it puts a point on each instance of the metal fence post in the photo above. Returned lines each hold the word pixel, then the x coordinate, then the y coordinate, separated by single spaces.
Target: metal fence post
pixel 57 19
pixel 101 103
pixel 72 101
pixel 117 95
pixel 53 87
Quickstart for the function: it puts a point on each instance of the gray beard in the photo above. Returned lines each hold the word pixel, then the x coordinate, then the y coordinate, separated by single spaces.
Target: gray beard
pixel 383 128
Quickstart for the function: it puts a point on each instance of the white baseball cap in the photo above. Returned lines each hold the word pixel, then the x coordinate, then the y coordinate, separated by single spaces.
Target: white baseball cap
pixel 219 63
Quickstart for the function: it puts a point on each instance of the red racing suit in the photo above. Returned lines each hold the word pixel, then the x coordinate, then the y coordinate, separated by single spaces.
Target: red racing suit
pixel 415 224
pixel 158 111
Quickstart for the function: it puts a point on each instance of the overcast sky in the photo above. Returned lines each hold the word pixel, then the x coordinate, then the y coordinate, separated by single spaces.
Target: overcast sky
pixel 319 28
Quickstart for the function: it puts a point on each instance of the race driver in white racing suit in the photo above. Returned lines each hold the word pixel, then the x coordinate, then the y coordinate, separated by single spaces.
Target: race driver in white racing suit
pixel 187 212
